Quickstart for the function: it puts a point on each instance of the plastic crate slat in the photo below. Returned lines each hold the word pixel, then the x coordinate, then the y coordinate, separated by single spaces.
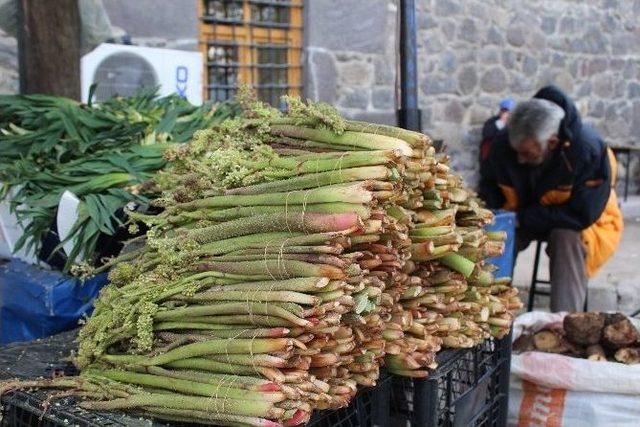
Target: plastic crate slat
pixel 469 387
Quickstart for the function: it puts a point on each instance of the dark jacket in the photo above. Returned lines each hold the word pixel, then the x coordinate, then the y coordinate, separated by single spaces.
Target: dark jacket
pixel 489 129
pixel 489 132
pixel 569 190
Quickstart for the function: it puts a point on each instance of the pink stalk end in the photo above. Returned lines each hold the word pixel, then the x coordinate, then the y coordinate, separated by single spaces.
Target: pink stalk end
pixel 298 418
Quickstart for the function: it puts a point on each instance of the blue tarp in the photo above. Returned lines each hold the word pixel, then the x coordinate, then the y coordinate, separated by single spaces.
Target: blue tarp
pixel 36 303
pixel 505 221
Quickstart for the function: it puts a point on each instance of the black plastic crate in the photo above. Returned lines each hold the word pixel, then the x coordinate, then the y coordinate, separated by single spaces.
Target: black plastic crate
pixel 25 409
pixel 41 358
pixel 469 388
pixel 370 408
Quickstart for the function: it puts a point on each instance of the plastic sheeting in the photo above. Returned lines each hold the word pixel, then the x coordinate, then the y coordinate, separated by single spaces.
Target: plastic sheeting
pixel 505 221
pixel 36 303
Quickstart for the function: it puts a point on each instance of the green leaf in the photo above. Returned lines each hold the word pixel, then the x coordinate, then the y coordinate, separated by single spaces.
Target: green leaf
pixel 361 302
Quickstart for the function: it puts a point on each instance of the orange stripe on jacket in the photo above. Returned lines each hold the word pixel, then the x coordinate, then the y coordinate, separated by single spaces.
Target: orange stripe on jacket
pixel 511 197
pixel 555 197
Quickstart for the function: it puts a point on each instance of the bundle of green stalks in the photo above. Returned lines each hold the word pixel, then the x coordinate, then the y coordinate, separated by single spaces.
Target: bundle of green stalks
pixel 260 292
pixel 449 249
pixel 296 253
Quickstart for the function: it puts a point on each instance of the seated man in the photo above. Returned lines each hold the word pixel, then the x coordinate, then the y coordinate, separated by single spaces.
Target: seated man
pixel 557 174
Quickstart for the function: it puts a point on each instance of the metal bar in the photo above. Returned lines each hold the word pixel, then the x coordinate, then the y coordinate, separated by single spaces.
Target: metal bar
pixel 225 21
pixel 283 4
pixel 264 86
pixel 534 277
pixel 215 64
pixel 409 116
pixel 282 46
pixel 504 372
pixel 626 175
pixel 271 25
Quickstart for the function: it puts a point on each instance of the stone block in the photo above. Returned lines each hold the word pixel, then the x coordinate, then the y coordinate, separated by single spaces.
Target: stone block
pixel 595 108
pixel 548 24
pixel 619 88
pixel 8 45
pixel 529 66
pixel 565 81
pixel 468 31
pixel 595 42
pixel 426 21
pixel 349 25
pixel 568 25
pixel 509 59
pixel 635 122
pixel 446 7
pixel 585 89
pixel 166 19
pixel 478 115
pixel 383 98
pixel 558 60
pixel 515 36
pixel 8 60
pixel 603 85
pixel 448 28
pixel 633 90
pixel 481 10
pixel 447 62
pixel 494 36
pixel 489 55
pixel 356 97
pixel 437 84
pixel 321 76
pixel 9 82
pixel 623 44
pixel 493 80
pixel 384 70
pixel 355 73
pixel 519 84
pixel 594 66
pixel 467 79
pixel 426 115
pixel 432 41
pixel 454 112
pixel 630 68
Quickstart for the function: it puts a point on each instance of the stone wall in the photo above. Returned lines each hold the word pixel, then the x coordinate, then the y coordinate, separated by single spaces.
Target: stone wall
pixel 351 56
pixel 156 23
pixel 474 52
pixel 9 83
pixel 471 54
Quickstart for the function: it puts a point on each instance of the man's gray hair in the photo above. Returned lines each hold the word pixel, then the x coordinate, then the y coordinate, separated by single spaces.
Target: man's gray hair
pixel 536 118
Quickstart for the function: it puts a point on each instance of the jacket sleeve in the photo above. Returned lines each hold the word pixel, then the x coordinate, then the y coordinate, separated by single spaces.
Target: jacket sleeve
pixel 589 196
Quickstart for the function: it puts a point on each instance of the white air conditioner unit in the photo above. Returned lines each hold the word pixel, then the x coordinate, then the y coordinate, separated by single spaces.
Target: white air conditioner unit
pixel 11 230
pixel 123 70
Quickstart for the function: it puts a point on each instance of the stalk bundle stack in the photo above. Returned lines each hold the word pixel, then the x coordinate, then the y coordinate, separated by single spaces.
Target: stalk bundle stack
pixel 295 254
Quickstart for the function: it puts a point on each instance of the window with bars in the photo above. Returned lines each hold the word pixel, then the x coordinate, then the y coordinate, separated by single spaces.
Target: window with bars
pixel 253 42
